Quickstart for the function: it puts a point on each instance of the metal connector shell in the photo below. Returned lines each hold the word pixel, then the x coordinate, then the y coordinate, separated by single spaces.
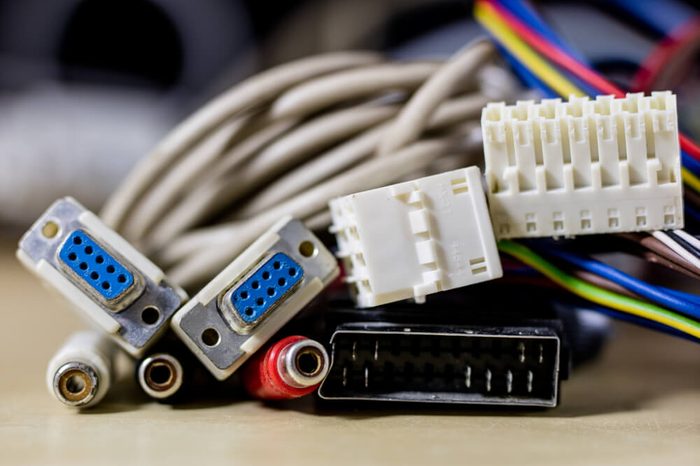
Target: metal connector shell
pixel 138 313
pixel 211 326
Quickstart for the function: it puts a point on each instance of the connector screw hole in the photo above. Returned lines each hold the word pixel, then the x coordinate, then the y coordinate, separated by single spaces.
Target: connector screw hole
pixel 211 337
pixel 150 315
pixel 307 249
pixel 50 229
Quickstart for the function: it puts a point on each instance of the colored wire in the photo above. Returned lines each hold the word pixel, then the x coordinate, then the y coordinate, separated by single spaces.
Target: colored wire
pixel 645 290
pixel 488 12
pixel 496 19
pixel 677 248
pixel 692 240
pixel 550 76
pixel 648 324
pixel 600 296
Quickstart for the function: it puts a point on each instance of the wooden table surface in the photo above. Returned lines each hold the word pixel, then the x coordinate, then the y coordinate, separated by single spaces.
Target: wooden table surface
pixel 639 405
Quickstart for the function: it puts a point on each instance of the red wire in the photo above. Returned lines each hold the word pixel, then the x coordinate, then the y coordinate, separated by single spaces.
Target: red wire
pixel 565 61
pixel 658 60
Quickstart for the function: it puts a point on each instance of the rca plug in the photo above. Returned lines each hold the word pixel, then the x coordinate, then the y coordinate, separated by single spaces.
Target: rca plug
pixel 160 375
pixel 80 373
pixel 290 368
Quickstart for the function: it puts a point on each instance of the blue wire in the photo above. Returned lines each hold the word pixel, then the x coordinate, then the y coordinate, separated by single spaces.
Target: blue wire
pixel 651 292
pixel 643 322
pixel 524 11
pixel 526 76
pixel 663 17
pixel 690 163
pixel 692 212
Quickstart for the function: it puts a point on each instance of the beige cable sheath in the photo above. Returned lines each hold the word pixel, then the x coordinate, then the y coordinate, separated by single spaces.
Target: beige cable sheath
pixel 182 175
pixel 229 240
pixel 303 142
pixel 287 151
pixel 248 94
pixel 441 85
pixel 460 109
pixel 209 196
pixel 343 86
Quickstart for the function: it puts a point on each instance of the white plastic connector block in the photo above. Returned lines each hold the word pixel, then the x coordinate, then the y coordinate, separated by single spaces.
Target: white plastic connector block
pixel 415 238
pixel 584 166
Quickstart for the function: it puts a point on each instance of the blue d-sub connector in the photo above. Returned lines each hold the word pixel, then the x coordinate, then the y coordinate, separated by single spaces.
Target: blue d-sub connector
pixel 95 267
pixel 266 287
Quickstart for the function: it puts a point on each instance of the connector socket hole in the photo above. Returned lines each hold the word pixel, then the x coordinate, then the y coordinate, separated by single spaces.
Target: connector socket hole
pixel 150 315
pixel 99 259
pixel 110 269
pixel 255 285
pixel 266 275
pixel 259 301
pixel 211 337
pixel 307 249
pixel 88 250
pixel 277 265
pixel 121 279
pixel 309 362
pixel 282 282
pixel 83 266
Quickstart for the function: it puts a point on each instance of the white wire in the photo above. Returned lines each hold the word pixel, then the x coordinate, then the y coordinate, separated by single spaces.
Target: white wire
pixel 677 248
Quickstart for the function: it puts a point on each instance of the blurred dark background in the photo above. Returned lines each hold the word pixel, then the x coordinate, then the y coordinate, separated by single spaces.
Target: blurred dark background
pixel 87 87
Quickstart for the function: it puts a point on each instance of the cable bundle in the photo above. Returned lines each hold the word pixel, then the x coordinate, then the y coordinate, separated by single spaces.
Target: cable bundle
pixel 288 140
pixel 545 61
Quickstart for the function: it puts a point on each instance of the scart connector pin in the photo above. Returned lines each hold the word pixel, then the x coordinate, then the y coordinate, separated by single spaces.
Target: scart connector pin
pixel 254 296
pixel 101 274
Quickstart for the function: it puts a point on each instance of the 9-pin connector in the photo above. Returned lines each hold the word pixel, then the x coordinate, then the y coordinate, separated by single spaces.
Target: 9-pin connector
pixel 584 166
pixel 415 238
pixel 254 296
pixel 100 274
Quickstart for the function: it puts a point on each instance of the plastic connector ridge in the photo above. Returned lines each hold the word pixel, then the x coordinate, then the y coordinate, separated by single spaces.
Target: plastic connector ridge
pixel 584 166
pixel 415 238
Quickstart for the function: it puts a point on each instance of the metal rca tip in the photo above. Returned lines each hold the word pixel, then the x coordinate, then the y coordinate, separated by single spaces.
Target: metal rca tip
pixel 304 363
pixel 75 384
pixel 160 375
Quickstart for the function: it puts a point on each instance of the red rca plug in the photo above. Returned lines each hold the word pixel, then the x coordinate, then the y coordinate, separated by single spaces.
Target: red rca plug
pixel 291 368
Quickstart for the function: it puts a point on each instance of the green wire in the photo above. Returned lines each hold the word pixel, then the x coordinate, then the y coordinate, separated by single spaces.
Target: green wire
pixel 599 295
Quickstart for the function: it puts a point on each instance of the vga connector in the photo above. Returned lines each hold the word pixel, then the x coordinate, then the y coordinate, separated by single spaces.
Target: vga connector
pixel 252 298
pixel 101 274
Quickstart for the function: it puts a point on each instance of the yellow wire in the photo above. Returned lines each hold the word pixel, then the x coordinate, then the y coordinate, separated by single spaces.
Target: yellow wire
pixel 489 18
pixel 555 80
pixel 690 179
pixel 598 295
